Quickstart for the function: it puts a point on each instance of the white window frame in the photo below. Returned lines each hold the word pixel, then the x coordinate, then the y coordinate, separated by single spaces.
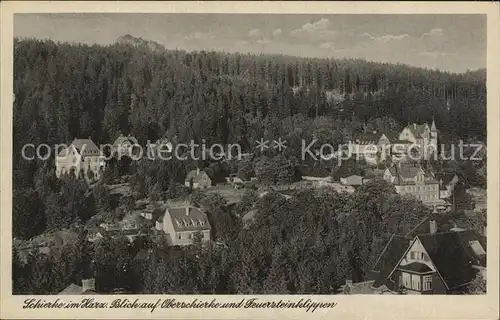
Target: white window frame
pixel 415 282
pixel 427 283
pixel 406 277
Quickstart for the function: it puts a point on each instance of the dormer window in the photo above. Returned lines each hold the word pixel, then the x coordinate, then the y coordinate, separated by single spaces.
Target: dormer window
pixel 477 247
pixel 193 223
pixel 201 222
pixel 178 223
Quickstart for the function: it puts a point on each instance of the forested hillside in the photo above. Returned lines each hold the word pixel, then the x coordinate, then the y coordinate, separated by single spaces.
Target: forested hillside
pixel 308 242
pixel 63 91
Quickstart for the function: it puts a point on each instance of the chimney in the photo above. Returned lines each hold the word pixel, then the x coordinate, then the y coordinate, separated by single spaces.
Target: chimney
pixel 414 126
pixel 88 284
pixel 197 171
pixel 432 226
pixel 187 211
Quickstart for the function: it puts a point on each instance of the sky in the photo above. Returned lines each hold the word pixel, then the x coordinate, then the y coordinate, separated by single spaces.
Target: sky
pixel 452 43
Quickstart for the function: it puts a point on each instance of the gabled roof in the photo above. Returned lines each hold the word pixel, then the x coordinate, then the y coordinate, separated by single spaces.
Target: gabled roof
pixel 452 256
pixel 389 256
pixel 409 171
pixel 422 227
pixel 87 146
pixel 188 219
pixel 417 129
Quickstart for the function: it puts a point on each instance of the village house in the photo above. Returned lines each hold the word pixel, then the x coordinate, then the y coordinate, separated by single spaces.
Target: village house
pixel 413 180
pixel 372 147
pixel 375 147
pixel 197 179
pixel 352 180
pixel 422 136
pixel 81 154
pixel 123 146
pixel 431 263
pixel 182 224
pixel 448 182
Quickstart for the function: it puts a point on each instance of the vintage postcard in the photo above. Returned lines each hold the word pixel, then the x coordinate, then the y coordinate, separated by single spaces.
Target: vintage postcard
pixel 249 160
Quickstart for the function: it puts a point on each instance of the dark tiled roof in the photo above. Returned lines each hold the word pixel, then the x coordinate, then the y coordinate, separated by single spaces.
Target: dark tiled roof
pixel 416 267
pixel 408 170
pixel 452 257
pixel 390 255
pixel 422 227
pixel 189 219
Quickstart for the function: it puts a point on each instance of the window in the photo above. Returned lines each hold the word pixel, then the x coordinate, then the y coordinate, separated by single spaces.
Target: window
pixel 415 282
pixel 427 283
pixel 412 255
pixel 406 280
pixel 179 236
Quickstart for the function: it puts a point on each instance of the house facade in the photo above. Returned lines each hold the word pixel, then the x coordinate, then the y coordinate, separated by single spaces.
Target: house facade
pixel 181 225
pixel 423 136
pixel 431 263
pixel 409 179
pixel 198 179
pixel 375 146
pixel 81 154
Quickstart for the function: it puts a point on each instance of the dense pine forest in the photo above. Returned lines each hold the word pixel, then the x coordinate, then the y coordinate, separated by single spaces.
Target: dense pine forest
pixel 309 244
pixel 63 91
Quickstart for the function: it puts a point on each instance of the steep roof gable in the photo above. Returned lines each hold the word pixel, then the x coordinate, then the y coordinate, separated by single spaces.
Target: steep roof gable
pixel 389 256
pixel 85 147
pixel 418 130
pixel 451 257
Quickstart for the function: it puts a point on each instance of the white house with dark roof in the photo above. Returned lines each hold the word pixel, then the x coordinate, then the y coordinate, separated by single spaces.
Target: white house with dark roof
pixel 422 135
pixel 182 224
pixel 429 261
pixel 414 180
pixel 81 154
pixel 377 146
